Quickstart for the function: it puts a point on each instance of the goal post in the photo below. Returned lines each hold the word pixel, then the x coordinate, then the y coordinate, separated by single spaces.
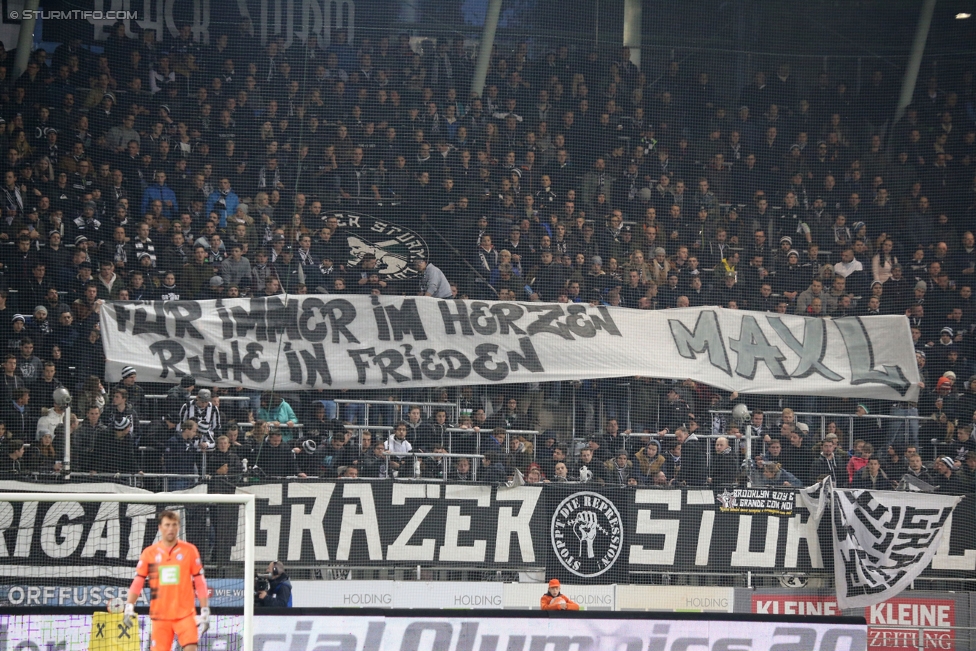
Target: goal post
pixel 73 536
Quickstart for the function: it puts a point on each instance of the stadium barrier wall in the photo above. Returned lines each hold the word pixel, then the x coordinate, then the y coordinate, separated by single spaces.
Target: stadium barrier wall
pixel 485 631
pixel 944 620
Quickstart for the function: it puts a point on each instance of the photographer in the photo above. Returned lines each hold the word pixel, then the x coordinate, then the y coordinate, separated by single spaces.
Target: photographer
pixel 276 592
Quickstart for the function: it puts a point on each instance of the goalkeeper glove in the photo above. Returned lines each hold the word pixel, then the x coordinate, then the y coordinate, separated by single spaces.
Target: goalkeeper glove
pixel 129 615
pixel 203 621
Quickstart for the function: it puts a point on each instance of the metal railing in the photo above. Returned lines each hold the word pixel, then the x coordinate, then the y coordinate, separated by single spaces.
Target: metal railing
pixel 137 480
pixel 425 407
pixel 442 457
pixel 246 425
pixel 826 417
pixel 451 431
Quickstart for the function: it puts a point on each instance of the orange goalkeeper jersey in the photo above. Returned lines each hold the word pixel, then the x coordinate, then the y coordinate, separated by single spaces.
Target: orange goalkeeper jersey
pixel 170 573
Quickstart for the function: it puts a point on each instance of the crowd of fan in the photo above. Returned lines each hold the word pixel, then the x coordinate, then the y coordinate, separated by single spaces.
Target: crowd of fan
pixel 165 169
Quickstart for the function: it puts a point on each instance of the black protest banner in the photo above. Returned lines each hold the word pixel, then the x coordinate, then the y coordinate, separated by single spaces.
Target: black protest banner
pixel 582 533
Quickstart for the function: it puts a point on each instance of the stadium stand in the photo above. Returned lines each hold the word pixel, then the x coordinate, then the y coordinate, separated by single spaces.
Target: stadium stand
pixel 165 169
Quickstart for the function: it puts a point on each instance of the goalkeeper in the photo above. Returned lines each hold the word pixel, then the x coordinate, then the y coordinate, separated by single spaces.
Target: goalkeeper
pixel 174 569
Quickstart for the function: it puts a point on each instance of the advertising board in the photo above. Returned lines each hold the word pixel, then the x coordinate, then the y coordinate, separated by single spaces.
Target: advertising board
pixel 893 625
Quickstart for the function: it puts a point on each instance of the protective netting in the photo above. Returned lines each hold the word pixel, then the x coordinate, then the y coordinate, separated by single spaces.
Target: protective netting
pixel 721 164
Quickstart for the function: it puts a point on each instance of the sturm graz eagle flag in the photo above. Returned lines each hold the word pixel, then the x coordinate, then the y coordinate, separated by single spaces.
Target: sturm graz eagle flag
pixel 394 246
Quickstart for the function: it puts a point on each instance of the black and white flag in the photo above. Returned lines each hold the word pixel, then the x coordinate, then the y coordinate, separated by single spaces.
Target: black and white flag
pixel 814 498
pixel 883 540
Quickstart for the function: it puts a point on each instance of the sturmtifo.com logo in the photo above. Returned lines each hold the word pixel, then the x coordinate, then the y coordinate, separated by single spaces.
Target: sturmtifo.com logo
pixel 586 533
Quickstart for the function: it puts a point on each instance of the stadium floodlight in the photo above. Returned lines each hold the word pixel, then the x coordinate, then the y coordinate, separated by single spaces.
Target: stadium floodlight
pixel 62 397
pixel 740 413
pixel 742 416
pixel 88 540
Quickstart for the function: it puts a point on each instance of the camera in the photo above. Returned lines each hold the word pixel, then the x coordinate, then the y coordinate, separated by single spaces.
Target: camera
pixel 261 584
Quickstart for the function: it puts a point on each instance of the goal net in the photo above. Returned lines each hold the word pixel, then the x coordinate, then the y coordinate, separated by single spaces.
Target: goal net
pixel 67 560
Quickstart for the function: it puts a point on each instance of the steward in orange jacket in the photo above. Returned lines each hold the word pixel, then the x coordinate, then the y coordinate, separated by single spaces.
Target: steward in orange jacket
pixel 554 600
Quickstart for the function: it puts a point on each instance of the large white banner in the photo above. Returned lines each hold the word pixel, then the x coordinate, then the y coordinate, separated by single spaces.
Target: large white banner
pixel 350 342
pixel 883 540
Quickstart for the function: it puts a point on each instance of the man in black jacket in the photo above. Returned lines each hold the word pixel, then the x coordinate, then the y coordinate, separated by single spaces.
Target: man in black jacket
pixel 176 400
pixel 10 463
pixel 950 482
pixel 115 450
pixel 798 455
pixel 694 465
pixel 675 412
pixel 17 415
pixel 828 464
pixel 917 470
pixel 336 453
pixel 84 438
pixel 724 465
pixel 492 469
pixel 433 432
pixel 277 459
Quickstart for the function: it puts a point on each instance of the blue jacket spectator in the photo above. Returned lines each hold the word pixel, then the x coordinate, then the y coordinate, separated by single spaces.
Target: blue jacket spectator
pixel 223 202
pixel 160 191
pixel 180 455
